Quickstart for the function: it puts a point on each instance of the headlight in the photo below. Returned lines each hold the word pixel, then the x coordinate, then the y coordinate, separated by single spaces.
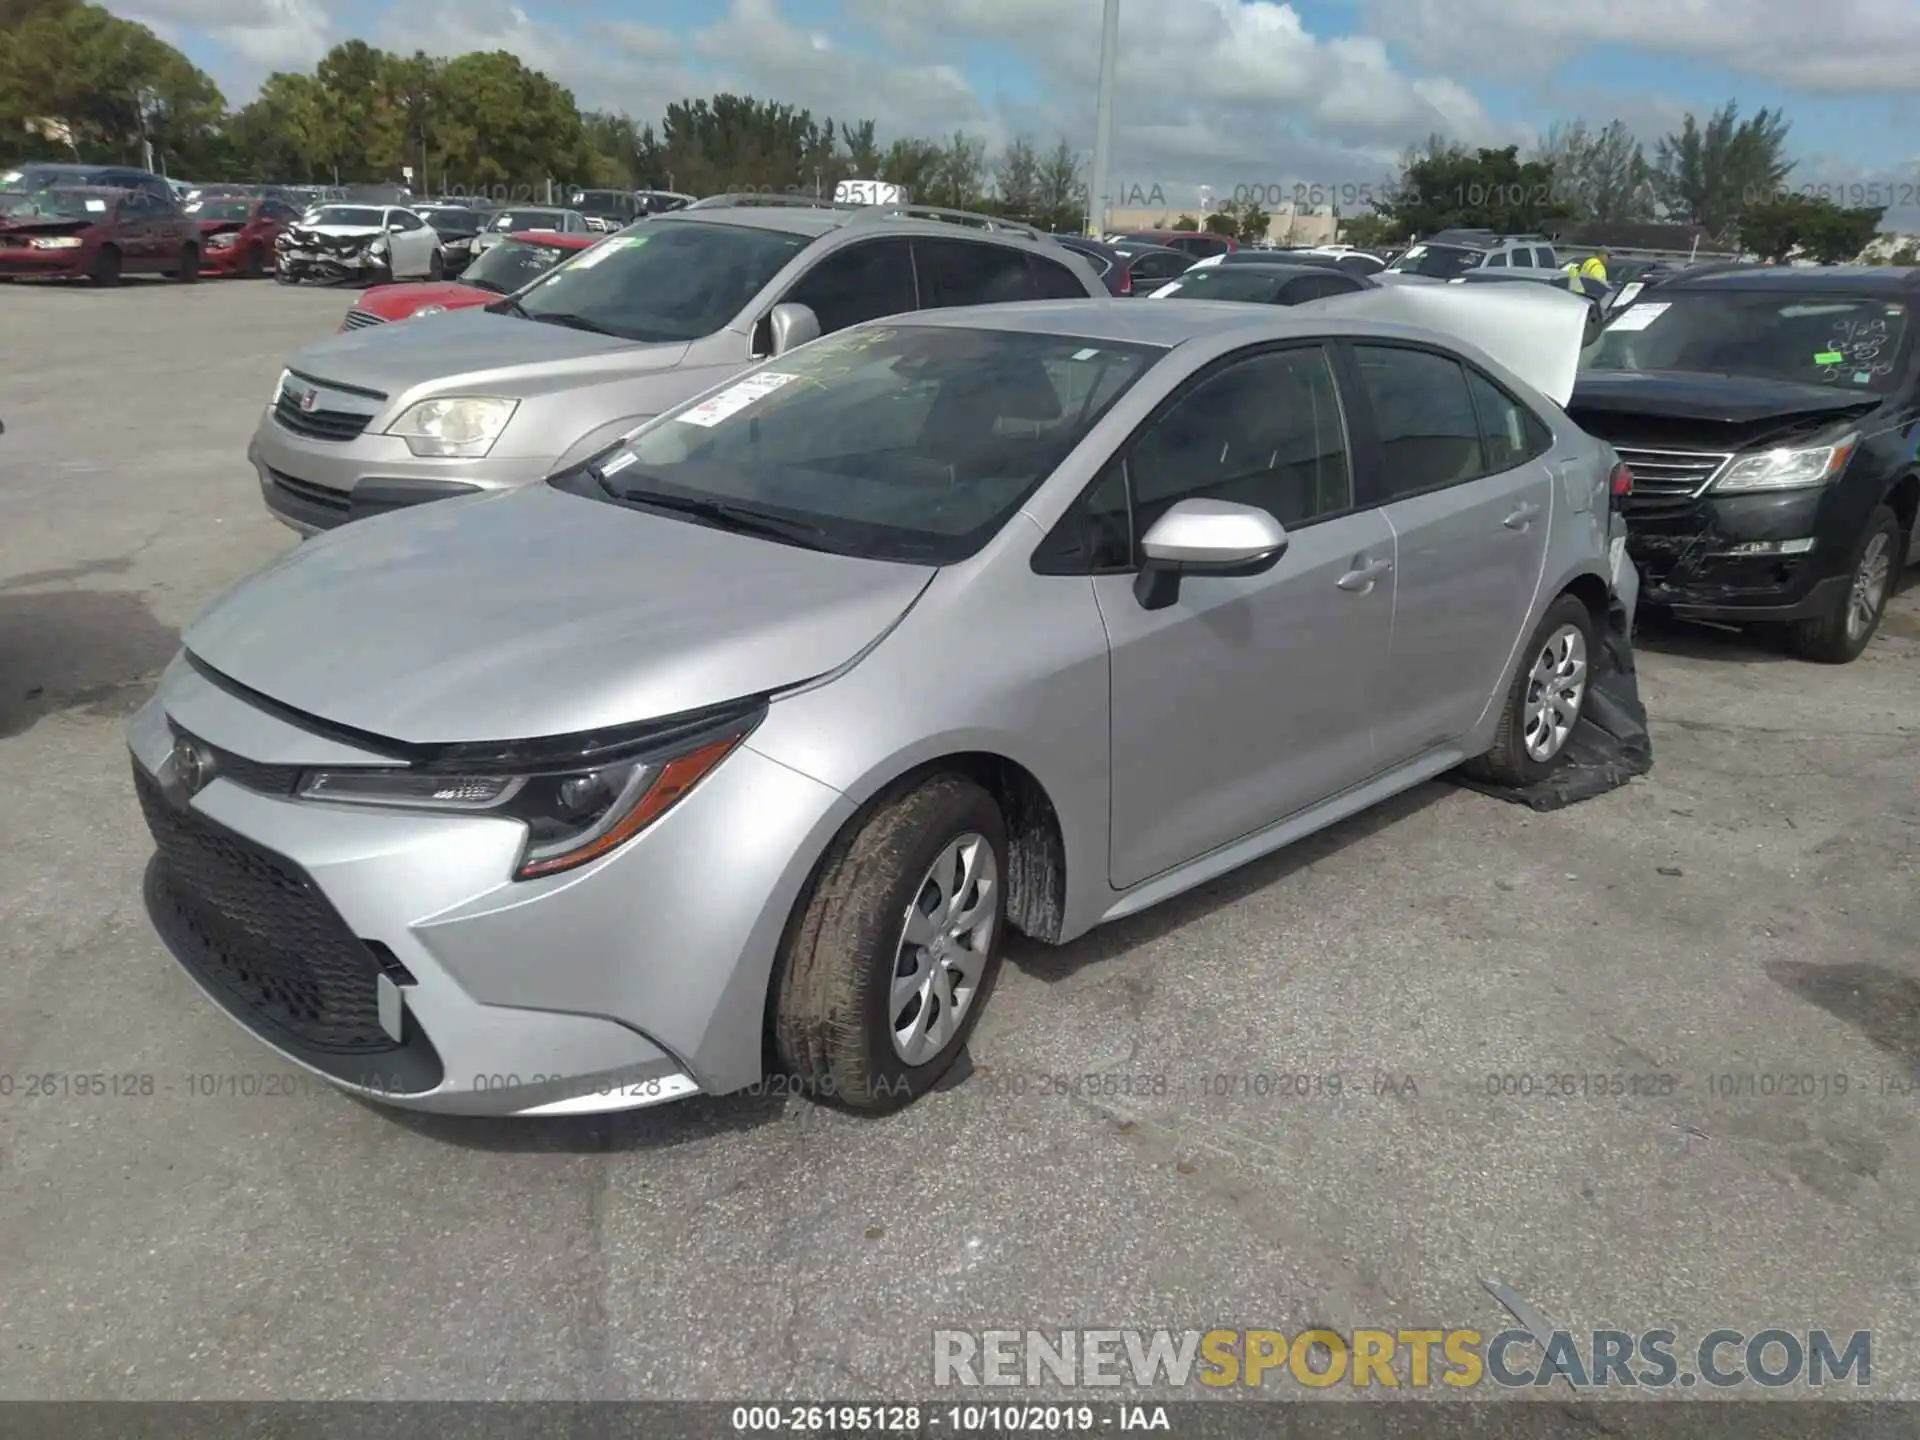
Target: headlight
pixel 429 310
pixel 57 242
pixel 1787 469
pixel 456 427
pixel 223 241
pixel 571 817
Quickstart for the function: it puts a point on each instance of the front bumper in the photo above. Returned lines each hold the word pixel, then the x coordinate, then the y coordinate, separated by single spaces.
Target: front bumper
pixel 224 259
pixel 638 979
pixel 1691 564
pixel 314 485
pixel 327 268
pixel 19 260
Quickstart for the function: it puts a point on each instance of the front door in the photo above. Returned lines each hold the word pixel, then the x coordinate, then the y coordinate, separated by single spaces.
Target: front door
pixel 1464 485
pixel 1245 700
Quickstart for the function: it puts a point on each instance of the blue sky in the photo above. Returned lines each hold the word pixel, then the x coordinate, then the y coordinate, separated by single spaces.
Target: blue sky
pixel 1212 91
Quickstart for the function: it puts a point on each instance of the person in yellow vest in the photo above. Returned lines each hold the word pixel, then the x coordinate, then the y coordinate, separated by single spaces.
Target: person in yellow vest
pixel 1572 271
pixel 1595 266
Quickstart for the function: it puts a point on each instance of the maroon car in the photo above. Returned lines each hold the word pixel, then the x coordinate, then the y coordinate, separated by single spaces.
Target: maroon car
pixel 95 233
pixel 237 233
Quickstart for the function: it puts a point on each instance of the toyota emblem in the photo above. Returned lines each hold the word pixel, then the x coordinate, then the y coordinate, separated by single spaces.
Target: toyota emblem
pixel 192 766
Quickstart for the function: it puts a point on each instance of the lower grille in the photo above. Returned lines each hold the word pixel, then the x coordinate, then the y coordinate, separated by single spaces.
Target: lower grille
pixel 1665 481
pixel 361 319
pixel 319 424
pixel 250 924
pixel 320 495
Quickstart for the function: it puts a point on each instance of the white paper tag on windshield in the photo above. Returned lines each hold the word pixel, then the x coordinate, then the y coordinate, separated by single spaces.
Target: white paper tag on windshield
pixel 619 463
pixel 96 207
pixel 594 254
pixel 1638 318
pixel 1626 295
pixel 735 398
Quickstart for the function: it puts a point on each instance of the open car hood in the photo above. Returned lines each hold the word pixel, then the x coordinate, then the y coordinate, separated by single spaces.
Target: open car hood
pixel 1536 331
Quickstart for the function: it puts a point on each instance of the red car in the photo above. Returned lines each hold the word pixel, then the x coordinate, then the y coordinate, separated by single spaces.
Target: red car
pixel 237 233
pixel 95 233
pixel 515 263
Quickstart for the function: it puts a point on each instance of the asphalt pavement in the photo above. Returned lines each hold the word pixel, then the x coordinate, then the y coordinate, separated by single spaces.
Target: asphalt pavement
pixel 1134 1148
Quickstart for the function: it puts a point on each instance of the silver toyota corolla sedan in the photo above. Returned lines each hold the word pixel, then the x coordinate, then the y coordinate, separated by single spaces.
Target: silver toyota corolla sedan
pixel 745 743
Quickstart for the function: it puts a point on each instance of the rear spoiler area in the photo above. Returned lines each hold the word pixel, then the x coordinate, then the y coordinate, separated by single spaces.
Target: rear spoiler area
pixel 1536 331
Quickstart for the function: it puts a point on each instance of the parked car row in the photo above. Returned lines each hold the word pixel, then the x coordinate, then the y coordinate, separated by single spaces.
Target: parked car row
pixel 784 602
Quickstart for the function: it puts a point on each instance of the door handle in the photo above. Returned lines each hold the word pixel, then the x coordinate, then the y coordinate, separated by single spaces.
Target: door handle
pixel 1362 576
pixel 1521 518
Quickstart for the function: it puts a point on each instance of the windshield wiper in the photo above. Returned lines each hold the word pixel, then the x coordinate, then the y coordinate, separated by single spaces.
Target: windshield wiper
pixel 723 514
pixel 509 306
pixel 568 319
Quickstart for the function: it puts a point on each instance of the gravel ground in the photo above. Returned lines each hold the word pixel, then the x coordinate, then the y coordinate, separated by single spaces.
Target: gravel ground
pixel 1748 910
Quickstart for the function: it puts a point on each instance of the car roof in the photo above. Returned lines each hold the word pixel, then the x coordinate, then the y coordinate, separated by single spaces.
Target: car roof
pixel 1866 279
pixel 1287 269
pixel 1163 323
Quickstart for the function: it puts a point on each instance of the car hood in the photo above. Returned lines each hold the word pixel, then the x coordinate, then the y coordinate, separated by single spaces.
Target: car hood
pixel 396 302
pixel 476 348
pixel 340 232
pixel 536 613
pixel 1685 395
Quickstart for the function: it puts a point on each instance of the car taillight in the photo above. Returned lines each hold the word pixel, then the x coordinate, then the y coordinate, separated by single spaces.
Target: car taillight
pixel 1622 481
pixel 1126 282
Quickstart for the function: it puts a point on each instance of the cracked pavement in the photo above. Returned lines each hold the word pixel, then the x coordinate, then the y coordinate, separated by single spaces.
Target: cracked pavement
pixel 1125 1155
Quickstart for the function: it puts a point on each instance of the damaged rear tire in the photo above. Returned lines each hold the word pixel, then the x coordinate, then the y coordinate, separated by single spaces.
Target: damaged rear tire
pixel 1546 698
pixel 1840 635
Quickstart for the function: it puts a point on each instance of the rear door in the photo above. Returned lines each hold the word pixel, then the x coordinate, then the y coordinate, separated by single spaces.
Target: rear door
pixel 138 232
pixel 866 280
pixel 1470 502
pixel 956 272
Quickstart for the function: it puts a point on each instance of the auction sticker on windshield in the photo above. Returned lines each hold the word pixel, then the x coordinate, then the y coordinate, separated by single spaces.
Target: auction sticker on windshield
pixel 1626 295
pixel 734 399
pixel 605 248
pixel 1638 317
pixel 96 207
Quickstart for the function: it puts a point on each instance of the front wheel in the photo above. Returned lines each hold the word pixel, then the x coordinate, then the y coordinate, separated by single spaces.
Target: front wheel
pixel 106 268
pixel 890 962
pixel 189 269
pixel 1546 698
pixel 436 267
pixel 256 264
pixel 1839 636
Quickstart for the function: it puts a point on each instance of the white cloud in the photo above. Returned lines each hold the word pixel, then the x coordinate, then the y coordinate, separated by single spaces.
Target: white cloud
pixel 261 35
pixel 1836 47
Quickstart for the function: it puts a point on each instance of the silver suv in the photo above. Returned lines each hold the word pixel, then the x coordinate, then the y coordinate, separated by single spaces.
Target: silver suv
pixel 1455 252
pixel 486 399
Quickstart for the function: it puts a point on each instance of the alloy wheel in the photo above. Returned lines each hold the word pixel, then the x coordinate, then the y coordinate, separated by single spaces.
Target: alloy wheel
pixel 943 950
pixel 1869 590
pixel 1555 687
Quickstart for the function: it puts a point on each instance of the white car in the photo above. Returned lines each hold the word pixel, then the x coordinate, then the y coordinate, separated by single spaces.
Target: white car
pixel 366 244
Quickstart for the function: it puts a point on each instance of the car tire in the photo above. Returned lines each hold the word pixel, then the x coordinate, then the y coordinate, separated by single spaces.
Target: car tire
pixel 256 263
pixel 436 267
pixel 840 998
pixel 1839 636
pixel 1555 666
pixel 189 271
pixel 106 267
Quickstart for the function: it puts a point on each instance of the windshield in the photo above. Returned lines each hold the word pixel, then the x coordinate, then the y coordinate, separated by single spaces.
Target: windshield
pixel 900 443
pixel 674 281
pixel 56 205
pixel 1849 342
pixel 603 202
pixel 1442 262
pixel 513 264
pixel 528 220
pixel 1223 282
pixel 347 215
pixel 240 210
pixel 452 222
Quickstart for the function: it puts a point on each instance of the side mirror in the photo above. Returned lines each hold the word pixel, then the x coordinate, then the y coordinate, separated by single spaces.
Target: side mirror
pixel 790 326
pixel 1205 537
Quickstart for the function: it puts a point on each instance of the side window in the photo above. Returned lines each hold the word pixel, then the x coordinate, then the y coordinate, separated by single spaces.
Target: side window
pixel 1543 258
pixel 1317 287
pixel 1096 535
pixel 1160 267
pixel 1429 434
pixel 1265 431
pixel 406 220
pixel 1055 282
pixel 1510 432
pixel 1497 261
pixel 966 272
pixel 137 205
pixel 861 282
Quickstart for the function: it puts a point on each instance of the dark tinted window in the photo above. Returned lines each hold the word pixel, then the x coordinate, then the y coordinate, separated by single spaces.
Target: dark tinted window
pixel 967 272
pixel 1429 434
pixel 1221 282
pixel 861 282
pixel 899 442
pixel 1497 262
pixel 670 280
pixel 1055 282
pixel 1161 267
pixel 1317 287
pixel 1263 431
pixel 454 222
pixel 1510 433
pixel 406 220
pixel 513 263
pixel 1096 535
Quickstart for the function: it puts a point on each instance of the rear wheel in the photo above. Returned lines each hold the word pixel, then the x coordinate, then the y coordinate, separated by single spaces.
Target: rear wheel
pixel 1546 698
pixel 189 267
pixel 106 267
pixel 893 956
pixel 1839 636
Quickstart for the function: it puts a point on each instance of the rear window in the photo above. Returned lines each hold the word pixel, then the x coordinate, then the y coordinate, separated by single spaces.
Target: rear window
pixel 527 220
pixel 240 210
pixel 1223 282
pixel 1440 262
pixel 453 222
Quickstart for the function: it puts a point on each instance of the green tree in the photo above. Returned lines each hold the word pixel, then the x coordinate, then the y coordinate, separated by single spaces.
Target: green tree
pixel 1448 187
pixel 961 179
pixel 863 151
pixel 913 164
pixel 1820 230
pixel 504 124
pixel 1186 222
pixel 1016 178
pixel 1368 231
pixel 1707 174
pixel 1060 195
pixel 1906 255
pixel 1603 173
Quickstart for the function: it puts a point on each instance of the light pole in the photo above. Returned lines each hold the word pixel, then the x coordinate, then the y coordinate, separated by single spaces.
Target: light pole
pixel 1103 117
